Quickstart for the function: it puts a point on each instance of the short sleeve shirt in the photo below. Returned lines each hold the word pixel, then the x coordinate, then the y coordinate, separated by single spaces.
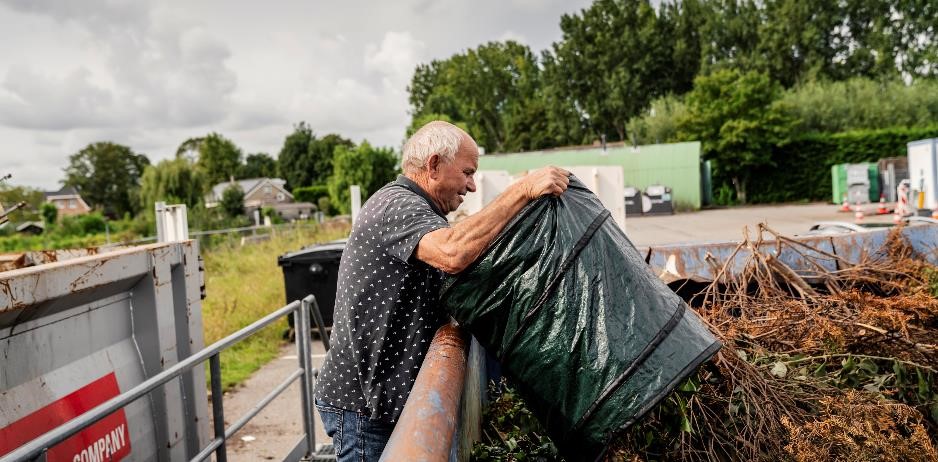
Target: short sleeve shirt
pixel 387 305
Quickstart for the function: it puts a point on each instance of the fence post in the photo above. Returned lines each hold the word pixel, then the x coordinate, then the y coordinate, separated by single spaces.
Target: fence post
pixel 306 380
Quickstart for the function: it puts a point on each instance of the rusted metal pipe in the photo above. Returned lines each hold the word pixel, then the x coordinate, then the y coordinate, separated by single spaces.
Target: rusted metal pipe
pixel 428 421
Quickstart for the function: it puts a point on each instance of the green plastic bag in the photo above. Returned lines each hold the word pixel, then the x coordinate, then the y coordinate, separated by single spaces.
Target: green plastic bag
pixel 589 336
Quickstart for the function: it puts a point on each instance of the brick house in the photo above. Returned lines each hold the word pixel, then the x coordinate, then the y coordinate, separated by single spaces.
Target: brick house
pixel 264 192
pixel 67 201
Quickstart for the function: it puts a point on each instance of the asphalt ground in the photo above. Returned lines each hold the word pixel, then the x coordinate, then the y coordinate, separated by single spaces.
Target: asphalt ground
pixel 726 224
pixel 274 432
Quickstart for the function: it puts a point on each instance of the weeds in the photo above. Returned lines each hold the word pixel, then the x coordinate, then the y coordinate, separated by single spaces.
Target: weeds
pixel 244 284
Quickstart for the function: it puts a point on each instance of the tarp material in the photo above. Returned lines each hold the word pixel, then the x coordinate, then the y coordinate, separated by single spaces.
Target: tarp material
pixel 590 337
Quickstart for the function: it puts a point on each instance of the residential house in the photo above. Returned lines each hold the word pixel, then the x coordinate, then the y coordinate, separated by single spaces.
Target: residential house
pixel 264 192
pixel 31 227
pixel 67 201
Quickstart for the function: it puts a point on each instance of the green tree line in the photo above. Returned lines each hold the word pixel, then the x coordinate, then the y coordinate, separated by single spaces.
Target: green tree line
pixel 741 76
pixel 121 184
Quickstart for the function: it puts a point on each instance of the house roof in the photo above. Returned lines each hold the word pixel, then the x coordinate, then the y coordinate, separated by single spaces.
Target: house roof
pixel 246 185
pixel 31 225
pixel 65 191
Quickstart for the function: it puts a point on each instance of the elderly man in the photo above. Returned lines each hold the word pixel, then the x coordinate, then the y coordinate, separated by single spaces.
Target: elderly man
pixel 386 309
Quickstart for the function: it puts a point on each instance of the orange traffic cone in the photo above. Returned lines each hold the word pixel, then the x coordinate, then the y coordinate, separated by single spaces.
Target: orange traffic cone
pixel 858 215
pixel 934 214
pixel 845 206
pixel 882 210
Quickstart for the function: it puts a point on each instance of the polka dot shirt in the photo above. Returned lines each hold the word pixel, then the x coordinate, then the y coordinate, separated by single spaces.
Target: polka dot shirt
pixel 387 305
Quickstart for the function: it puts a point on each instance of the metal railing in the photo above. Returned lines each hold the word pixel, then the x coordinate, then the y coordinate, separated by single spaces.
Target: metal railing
pixel 441 418
pixel 36 449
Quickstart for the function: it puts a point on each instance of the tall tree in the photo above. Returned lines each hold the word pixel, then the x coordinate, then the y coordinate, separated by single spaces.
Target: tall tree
pixel 737 120
pixel 108 176
pixel 173 181
pixel 232 201
pixel 492 89
pixel 295 163
pixel 259 165
pixel 368 167
pixel 219 159
pixel 322 152
pixel 730 35
pixel 190 148
pixel 797 40
pixel 305 160
pixel 611 62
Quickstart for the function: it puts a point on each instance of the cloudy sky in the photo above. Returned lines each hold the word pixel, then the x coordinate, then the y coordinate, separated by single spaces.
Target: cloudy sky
pixel 151 74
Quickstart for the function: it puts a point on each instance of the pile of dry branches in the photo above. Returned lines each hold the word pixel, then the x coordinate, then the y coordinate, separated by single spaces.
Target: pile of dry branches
pixel 836 363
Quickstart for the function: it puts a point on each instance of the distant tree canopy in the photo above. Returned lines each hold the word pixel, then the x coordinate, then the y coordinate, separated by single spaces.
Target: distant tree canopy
pixel 626 70
pixel 736 117
pixel 259 165
pixel 219 159
pixel 232 201
pixel 617 56
pixel 108 177
pixel 306 160
pixel 172 181
pixel 493 90
pixel 49 214
pixel 368 167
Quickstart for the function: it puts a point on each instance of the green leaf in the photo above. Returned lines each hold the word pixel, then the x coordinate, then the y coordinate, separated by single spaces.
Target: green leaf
pixel 869 366
pixel 689 385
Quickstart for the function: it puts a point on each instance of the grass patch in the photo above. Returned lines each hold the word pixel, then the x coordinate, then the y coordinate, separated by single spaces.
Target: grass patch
pixel 242 285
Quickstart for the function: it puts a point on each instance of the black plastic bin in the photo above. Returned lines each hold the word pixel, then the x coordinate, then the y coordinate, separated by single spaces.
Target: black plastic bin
pixel 313 270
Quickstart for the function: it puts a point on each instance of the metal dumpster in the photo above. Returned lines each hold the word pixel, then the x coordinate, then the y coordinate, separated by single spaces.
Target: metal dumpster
pixel 75 333
pixel 313 270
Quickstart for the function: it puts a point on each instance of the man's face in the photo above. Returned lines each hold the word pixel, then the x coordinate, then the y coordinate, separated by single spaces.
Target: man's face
pixel 454 180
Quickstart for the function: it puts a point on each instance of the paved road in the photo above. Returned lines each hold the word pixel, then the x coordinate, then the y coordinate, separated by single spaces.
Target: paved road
pixel 727 224
pixel 276 430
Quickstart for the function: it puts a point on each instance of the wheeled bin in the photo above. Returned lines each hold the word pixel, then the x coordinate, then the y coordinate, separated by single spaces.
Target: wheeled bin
pixel 313 270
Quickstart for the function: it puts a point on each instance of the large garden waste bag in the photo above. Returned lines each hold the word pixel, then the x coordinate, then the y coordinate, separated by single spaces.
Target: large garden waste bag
pixel 589 336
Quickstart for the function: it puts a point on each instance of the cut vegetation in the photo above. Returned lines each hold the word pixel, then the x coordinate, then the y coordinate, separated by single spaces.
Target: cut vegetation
pixel 838 365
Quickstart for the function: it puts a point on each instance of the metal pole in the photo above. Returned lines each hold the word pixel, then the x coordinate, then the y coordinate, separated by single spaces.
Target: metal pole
pixel 218 411
pixel 426 429
pixel 320 324
pixel 306 381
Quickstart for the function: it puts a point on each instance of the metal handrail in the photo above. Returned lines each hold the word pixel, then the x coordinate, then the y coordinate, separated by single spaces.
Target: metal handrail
pixel 37 448
pixel 428 423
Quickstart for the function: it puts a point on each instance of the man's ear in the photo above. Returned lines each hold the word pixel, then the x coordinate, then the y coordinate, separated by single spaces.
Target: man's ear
pixel 433 165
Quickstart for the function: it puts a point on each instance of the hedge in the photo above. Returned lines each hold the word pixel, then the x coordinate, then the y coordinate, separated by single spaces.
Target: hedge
pixel 310 193
pixel 802 167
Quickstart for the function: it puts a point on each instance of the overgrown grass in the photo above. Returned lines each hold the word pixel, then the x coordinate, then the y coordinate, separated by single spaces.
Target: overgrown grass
pixel 244 284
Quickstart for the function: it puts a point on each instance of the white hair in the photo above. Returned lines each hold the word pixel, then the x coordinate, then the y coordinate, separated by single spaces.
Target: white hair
pixel 437 137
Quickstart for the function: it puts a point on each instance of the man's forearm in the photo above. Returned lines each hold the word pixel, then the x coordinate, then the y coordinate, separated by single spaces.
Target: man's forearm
pixel 455 248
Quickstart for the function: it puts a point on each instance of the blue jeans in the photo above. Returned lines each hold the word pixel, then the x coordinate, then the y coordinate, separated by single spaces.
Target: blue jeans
pixel 355 437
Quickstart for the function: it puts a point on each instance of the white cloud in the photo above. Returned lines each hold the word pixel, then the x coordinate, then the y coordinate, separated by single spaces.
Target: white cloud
pixel 34 101
pixel 161 72
pixel 151 74
pixel 395 59
pixel 512 35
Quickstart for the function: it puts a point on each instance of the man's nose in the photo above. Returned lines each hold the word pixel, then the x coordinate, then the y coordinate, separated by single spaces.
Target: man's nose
pixel 472 185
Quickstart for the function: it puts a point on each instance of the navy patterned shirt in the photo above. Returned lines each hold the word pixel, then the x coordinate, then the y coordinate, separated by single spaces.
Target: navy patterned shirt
pixel 387 305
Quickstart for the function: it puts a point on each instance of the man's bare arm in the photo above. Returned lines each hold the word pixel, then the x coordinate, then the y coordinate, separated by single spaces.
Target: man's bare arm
pixel 454 249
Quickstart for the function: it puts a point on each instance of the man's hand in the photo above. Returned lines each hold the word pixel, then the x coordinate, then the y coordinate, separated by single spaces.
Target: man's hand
pixel 548 180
